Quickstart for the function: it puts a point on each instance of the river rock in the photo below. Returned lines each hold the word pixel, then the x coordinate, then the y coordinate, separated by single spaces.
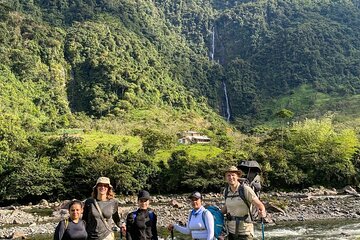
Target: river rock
pixel 281 206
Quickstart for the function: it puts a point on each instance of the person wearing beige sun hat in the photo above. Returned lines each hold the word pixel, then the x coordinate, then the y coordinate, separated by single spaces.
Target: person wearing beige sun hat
pixel 237 211
pixel 101 211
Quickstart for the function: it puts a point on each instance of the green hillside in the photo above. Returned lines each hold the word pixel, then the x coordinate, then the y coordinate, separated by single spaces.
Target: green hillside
pixel 93 88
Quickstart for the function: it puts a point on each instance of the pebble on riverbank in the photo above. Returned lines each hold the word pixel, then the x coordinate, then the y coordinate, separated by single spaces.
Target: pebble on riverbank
pixel 310 204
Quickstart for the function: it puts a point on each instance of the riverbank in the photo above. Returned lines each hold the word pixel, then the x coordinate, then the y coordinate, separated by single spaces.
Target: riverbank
pixel 310 204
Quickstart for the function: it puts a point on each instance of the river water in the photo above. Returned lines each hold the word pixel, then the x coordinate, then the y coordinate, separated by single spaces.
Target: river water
pixel 343 229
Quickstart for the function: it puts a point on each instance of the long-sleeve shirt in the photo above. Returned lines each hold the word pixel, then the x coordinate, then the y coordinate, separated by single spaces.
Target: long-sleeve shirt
pixel 68 230
pixel 95 226
pixel 200 225
pixel 141 225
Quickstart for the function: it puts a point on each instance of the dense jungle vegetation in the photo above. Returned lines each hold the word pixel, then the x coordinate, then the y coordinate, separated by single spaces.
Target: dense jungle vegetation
pixel 103 87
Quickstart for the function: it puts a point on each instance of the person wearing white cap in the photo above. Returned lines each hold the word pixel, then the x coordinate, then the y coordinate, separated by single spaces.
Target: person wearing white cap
pixel 101 210
pixel 236 210
pixel 200 222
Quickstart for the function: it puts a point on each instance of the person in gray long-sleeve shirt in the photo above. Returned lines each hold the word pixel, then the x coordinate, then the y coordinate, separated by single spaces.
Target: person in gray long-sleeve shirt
pixel 99 225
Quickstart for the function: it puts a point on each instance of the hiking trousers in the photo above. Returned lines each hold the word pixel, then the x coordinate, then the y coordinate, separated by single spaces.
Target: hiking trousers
pixel 232 236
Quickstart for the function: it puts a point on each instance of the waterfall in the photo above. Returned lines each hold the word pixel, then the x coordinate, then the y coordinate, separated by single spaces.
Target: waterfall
pixel 227 105
pixel 213 44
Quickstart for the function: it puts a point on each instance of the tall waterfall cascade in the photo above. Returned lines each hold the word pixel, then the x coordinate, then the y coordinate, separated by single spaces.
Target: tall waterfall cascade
pixel 227 105
pixel 213 44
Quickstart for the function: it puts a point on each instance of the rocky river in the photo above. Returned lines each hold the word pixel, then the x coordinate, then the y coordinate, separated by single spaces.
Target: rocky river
pixel 21 222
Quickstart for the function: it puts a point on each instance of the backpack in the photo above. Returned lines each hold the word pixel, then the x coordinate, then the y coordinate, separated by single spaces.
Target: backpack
pixel 66 223
pixel 219 220
pixel 252 170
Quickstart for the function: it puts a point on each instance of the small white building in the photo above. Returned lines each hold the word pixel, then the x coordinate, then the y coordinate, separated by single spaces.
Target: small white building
pixel 189 137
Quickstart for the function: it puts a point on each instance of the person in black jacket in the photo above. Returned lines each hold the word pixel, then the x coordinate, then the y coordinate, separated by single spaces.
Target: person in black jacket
pixel 72 228
pixel 141 224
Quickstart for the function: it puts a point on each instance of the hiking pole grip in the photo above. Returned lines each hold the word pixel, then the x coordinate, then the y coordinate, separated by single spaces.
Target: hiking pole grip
pixel 172 234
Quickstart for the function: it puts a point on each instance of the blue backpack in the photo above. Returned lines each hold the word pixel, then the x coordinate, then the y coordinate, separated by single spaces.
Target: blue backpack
pixel 219 220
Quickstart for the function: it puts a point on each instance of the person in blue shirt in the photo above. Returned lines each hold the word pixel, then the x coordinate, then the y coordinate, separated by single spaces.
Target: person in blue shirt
pixel 200 223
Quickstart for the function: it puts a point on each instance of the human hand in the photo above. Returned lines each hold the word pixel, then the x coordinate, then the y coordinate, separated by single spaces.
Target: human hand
pixel 123 228
pixel 262 213
pixel 170 227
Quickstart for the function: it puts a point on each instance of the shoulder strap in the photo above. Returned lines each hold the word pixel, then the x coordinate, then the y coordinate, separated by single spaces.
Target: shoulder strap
pixel 66 223
pixel 226 192
pixel 242 196
pixel 203 217
pixel 101 215
pixel 151 215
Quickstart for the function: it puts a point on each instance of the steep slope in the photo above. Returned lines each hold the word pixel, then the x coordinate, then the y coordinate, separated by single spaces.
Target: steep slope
pixel 270 48
pixel 103 59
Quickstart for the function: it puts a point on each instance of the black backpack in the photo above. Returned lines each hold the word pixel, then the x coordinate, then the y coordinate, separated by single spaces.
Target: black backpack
pixel 252 170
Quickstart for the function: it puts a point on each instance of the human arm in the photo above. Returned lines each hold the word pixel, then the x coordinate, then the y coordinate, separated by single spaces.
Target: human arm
pixel 129 225
pixel 115 215
pixel 224 209
pixel 86 211
pixel 182 229
pixel 209 223
pixel 260 206
pixel 252 198
pixel 59 230
pixel 154 228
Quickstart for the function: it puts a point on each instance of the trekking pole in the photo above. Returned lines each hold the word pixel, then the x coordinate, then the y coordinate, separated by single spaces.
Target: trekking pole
pixel 262 228
pixel 172 234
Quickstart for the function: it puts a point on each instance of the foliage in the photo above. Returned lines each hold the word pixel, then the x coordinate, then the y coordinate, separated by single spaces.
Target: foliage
pixel 133 74
pixel 195 151
pixel 308 144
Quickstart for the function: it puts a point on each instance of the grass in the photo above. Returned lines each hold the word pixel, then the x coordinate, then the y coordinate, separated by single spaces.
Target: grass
pixel 92 139
pixel 195 151
pixel 306 102
pixel 44 212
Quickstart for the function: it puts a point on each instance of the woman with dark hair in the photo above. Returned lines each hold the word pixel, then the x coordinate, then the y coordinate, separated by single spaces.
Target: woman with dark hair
pixel 73 227
pixel 200 224
pixel 101 211
pixel 141 224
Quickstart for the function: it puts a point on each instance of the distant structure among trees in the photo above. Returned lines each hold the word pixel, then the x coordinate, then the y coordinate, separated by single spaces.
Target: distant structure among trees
pixel 189 137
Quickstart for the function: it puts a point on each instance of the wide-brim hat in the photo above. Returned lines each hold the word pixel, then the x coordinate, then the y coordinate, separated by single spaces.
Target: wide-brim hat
pixel 233 169
pixel 103 180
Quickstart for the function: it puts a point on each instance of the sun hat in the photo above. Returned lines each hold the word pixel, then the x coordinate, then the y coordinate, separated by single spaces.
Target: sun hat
pixel 103 180
pixel 143 195
pixel 233 169
pixel 195 194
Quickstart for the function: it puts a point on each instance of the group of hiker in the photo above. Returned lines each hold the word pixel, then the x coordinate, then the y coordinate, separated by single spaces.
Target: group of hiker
pixel 101 210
